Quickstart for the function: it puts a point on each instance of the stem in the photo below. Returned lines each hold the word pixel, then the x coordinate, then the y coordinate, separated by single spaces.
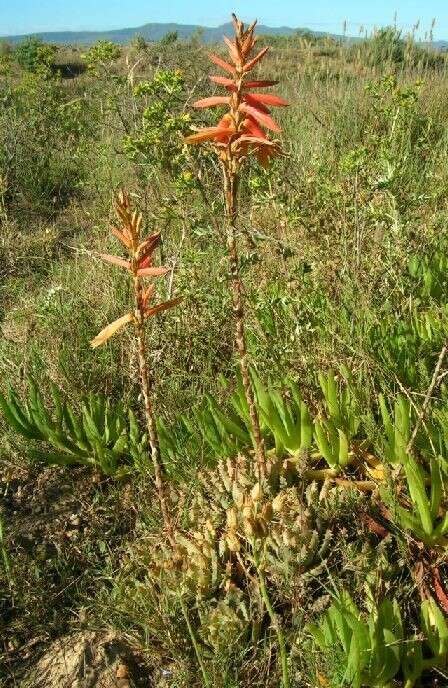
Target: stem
pixel 427 399
pixel 230 195
pixel 149 413
pixel 277 627
pixel 194 642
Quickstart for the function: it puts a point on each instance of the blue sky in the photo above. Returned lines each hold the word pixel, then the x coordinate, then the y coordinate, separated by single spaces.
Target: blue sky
pixel 24 16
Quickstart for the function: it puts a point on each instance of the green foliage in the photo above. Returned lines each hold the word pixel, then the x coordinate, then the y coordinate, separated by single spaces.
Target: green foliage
pixel 374 651
pixel 427 517
pixel 34 55
pixel 370 650
pixel 157 144
pixel 103 436
pixel 431 274
pixel 285 421
pixel 388 47
pixel 335 433
pixel 397 429
pixel 407 344
pixel 101 56
pixel 42 156
pixel 169 38
pixel 139 43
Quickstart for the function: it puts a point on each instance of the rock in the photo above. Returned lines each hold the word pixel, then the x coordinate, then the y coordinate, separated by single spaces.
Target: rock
pixel 86 660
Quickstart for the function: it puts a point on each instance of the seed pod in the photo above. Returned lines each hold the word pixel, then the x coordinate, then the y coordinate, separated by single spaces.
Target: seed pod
pixel 237 494
pixel 198 536
pixel 232 541
pixel 260 528
pixel 232 519
pixel 223 472
pixel 210 529
pixel 247 511
pixel 278 502
pixel 286 538
pixel 267 511
pixel 230 468
pixel 249 527
pixel 256 492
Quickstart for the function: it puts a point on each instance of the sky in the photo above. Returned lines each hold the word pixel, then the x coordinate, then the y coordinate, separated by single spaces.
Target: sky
pixel 28 16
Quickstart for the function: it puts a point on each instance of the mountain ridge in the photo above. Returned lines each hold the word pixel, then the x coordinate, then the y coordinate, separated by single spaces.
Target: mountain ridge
pixel 156 31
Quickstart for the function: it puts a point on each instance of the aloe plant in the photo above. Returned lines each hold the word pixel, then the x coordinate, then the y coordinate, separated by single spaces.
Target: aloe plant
pixel 334 432
pixel 397 428
pixel 285 422
pixel 102 435
pixel 139 265
pixel 239 134
pixel 376 650
pixel 426 517
pixel 370 647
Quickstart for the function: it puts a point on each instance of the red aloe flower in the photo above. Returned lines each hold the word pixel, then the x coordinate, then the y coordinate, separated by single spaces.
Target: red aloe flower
pixel 139 264
pixel 240 132
pixel 242 129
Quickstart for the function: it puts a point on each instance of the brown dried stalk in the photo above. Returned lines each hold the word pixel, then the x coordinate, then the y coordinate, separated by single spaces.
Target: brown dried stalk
pixel 433 384
pixel 140 265
pixel 230 190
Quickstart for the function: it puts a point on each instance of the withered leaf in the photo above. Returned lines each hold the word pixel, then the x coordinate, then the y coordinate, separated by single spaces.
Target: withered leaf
pixel 111 329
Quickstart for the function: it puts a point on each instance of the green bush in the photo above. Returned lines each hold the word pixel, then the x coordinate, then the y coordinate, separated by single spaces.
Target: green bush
pixel 33 54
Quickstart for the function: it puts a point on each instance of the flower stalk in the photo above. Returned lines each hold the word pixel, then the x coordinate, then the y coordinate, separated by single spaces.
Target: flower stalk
pixel 275 621
pixel 239 134
pixel 230 191
pixel 140 266
pixel 194 642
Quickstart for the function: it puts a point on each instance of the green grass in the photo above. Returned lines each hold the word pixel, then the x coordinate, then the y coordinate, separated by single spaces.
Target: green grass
pixel 330 238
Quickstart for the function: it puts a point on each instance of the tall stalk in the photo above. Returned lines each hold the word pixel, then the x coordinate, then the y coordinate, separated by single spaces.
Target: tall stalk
pixel 151 425
pixel 140 266
pixel 239 134
pixel 194 642
pixel 231 205
pixel 276 625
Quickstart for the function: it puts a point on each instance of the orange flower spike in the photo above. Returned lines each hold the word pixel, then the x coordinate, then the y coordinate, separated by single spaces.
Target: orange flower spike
pixel 248 113
pixel 140 264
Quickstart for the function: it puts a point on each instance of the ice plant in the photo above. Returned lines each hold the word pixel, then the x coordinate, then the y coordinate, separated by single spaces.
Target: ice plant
pixel 139 266
pixel 239 133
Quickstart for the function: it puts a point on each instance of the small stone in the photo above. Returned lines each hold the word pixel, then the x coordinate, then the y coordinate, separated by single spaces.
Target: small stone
pixel 122 671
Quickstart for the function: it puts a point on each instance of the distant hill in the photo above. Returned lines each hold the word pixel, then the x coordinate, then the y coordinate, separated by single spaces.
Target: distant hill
pixel 151 32
pixel 154 32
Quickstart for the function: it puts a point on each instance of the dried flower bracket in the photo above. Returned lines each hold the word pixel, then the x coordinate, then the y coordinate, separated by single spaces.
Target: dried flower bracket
pixel 140 265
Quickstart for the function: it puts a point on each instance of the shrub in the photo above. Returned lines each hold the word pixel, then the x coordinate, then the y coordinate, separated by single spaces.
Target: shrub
pixel 33 54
